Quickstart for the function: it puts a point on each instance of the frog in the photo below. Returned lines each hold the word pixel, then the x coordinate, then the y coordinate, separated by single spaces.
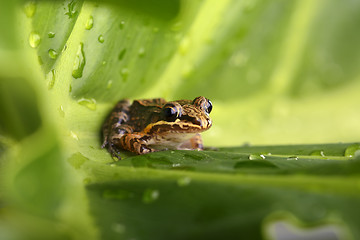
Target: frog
pixel 151 125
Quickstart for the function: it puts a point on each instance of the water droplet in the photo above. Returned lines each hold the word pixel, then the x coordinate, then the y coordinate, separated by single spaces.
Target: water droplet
pixel 109 84
pixel 89 103
pixel 317 153
pixel 51 81
pixel 103 62
pixel 122 54
pixel 124 73
pixel 40 60
pixel 238 59
pixel 71 12
pixel 74 136
pixel 352 150
pixel 184 46
pixel 177 26
pixel 52 53
pixel 256 157
pixel 34 39
pixel 51 34
pixel 87 181
pixel 61 111
pixel 30 9
pixel 141 52
pixel 122 24
pixel 77 160
pixel 292 158
pixel 119 194
pixel 184 181
pixel 89 23
pixel 118 228
pixel 101 38
pixel 79 63
pixel 64 48
pixel 150 195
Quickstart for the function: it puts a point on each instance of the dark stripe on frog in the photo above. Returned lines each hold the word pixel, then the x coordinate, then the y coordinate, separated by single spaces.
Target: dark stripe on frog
pixel 145 138
pixel 132 143
pixel 169 127
pixel 120 117
pixel 151 102
pixel 194 120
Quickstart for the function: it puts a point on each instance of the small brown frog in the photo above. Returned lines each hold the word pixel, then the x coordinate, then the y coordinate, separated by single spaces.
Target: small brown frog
pixel 154 124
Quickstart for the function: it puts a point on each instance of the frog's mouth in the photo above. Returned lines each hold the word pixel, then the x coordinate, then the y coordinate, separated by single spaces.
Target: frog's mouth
pixel 179 126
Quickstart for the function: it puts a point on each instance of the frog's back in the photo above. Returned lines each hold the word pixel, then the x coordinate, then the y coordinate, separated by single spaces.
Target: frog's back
pixel 142 111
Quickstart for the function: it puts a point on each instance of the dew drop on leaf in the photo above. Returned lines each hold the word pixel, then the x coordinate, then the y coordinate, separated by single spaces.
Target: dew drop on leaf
pixel 141 52
pixel 34 39
pixel 40 60
pixel 77 160
pixel 292 158
pixel 64 48
pixel 101 38
pixel 118 228
pixel 124 74
pixel 122 54
pixel 87 181
pixel 74 136
pixel 89 103
pixel 150 195
pixel 30 9
pixel 122 24
pixel 61 111
pixel 352 150
pixel 183 181
pixel 256 157
pixel 51 81
pixel 317 153
pixel 52 53
pixel 89 23
pixel 51 34
pixel 109 84
pixel 79 63
pixel 70 11
pixel 184 46
pixel 119 194
pixel 176 26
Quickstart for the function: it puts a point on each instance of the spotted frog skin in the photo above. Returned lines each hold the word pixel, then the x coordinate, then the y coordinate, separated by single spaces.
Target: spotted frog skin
pixel 151 125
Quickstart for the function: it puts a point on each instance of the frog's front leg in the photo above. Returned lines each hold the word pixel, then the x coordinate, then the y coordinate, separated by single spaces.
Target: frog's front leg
pixel 136 142
pixel 194 143
pixel 114 123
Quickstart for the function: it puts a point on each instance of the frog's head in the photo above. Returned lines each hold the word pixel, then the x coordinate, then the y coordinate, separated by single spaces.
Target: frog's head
pixel 183 116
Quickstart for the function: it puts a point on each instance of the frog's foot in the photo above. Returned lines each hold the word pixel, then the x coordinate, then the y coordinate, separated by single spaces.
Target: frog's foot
pixel 105 143
pixel 115 153
pixel 136 142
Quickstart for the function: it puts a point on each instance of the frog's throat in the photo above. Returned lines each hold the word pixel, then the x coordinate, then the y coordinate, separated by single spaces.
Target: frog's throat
pixel 173 127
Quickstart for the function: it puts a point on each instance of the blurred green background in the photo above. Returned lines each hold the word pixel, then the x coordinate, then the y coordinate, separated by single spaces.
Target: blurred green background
pixel 277 72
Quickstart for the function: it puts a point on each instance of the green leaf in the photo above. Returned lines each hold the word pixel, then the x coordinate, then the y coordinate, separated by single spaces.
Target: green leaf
pixel 280 72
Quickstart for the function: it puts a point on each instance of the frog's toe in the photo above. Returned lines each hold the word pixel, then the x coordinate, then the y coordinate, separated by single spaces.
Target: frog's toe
pixel 113 151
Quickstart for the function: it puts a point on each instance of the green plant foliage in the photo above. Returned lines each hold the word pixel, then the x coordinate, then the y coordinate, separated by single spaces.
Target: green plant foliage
pixel 279 73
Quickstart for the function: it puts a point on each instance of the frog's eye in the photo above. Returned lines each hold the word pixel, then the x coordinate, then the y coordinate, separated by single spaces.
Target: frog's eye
pixel 204 104
pixel 208 106
pixel 171 112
